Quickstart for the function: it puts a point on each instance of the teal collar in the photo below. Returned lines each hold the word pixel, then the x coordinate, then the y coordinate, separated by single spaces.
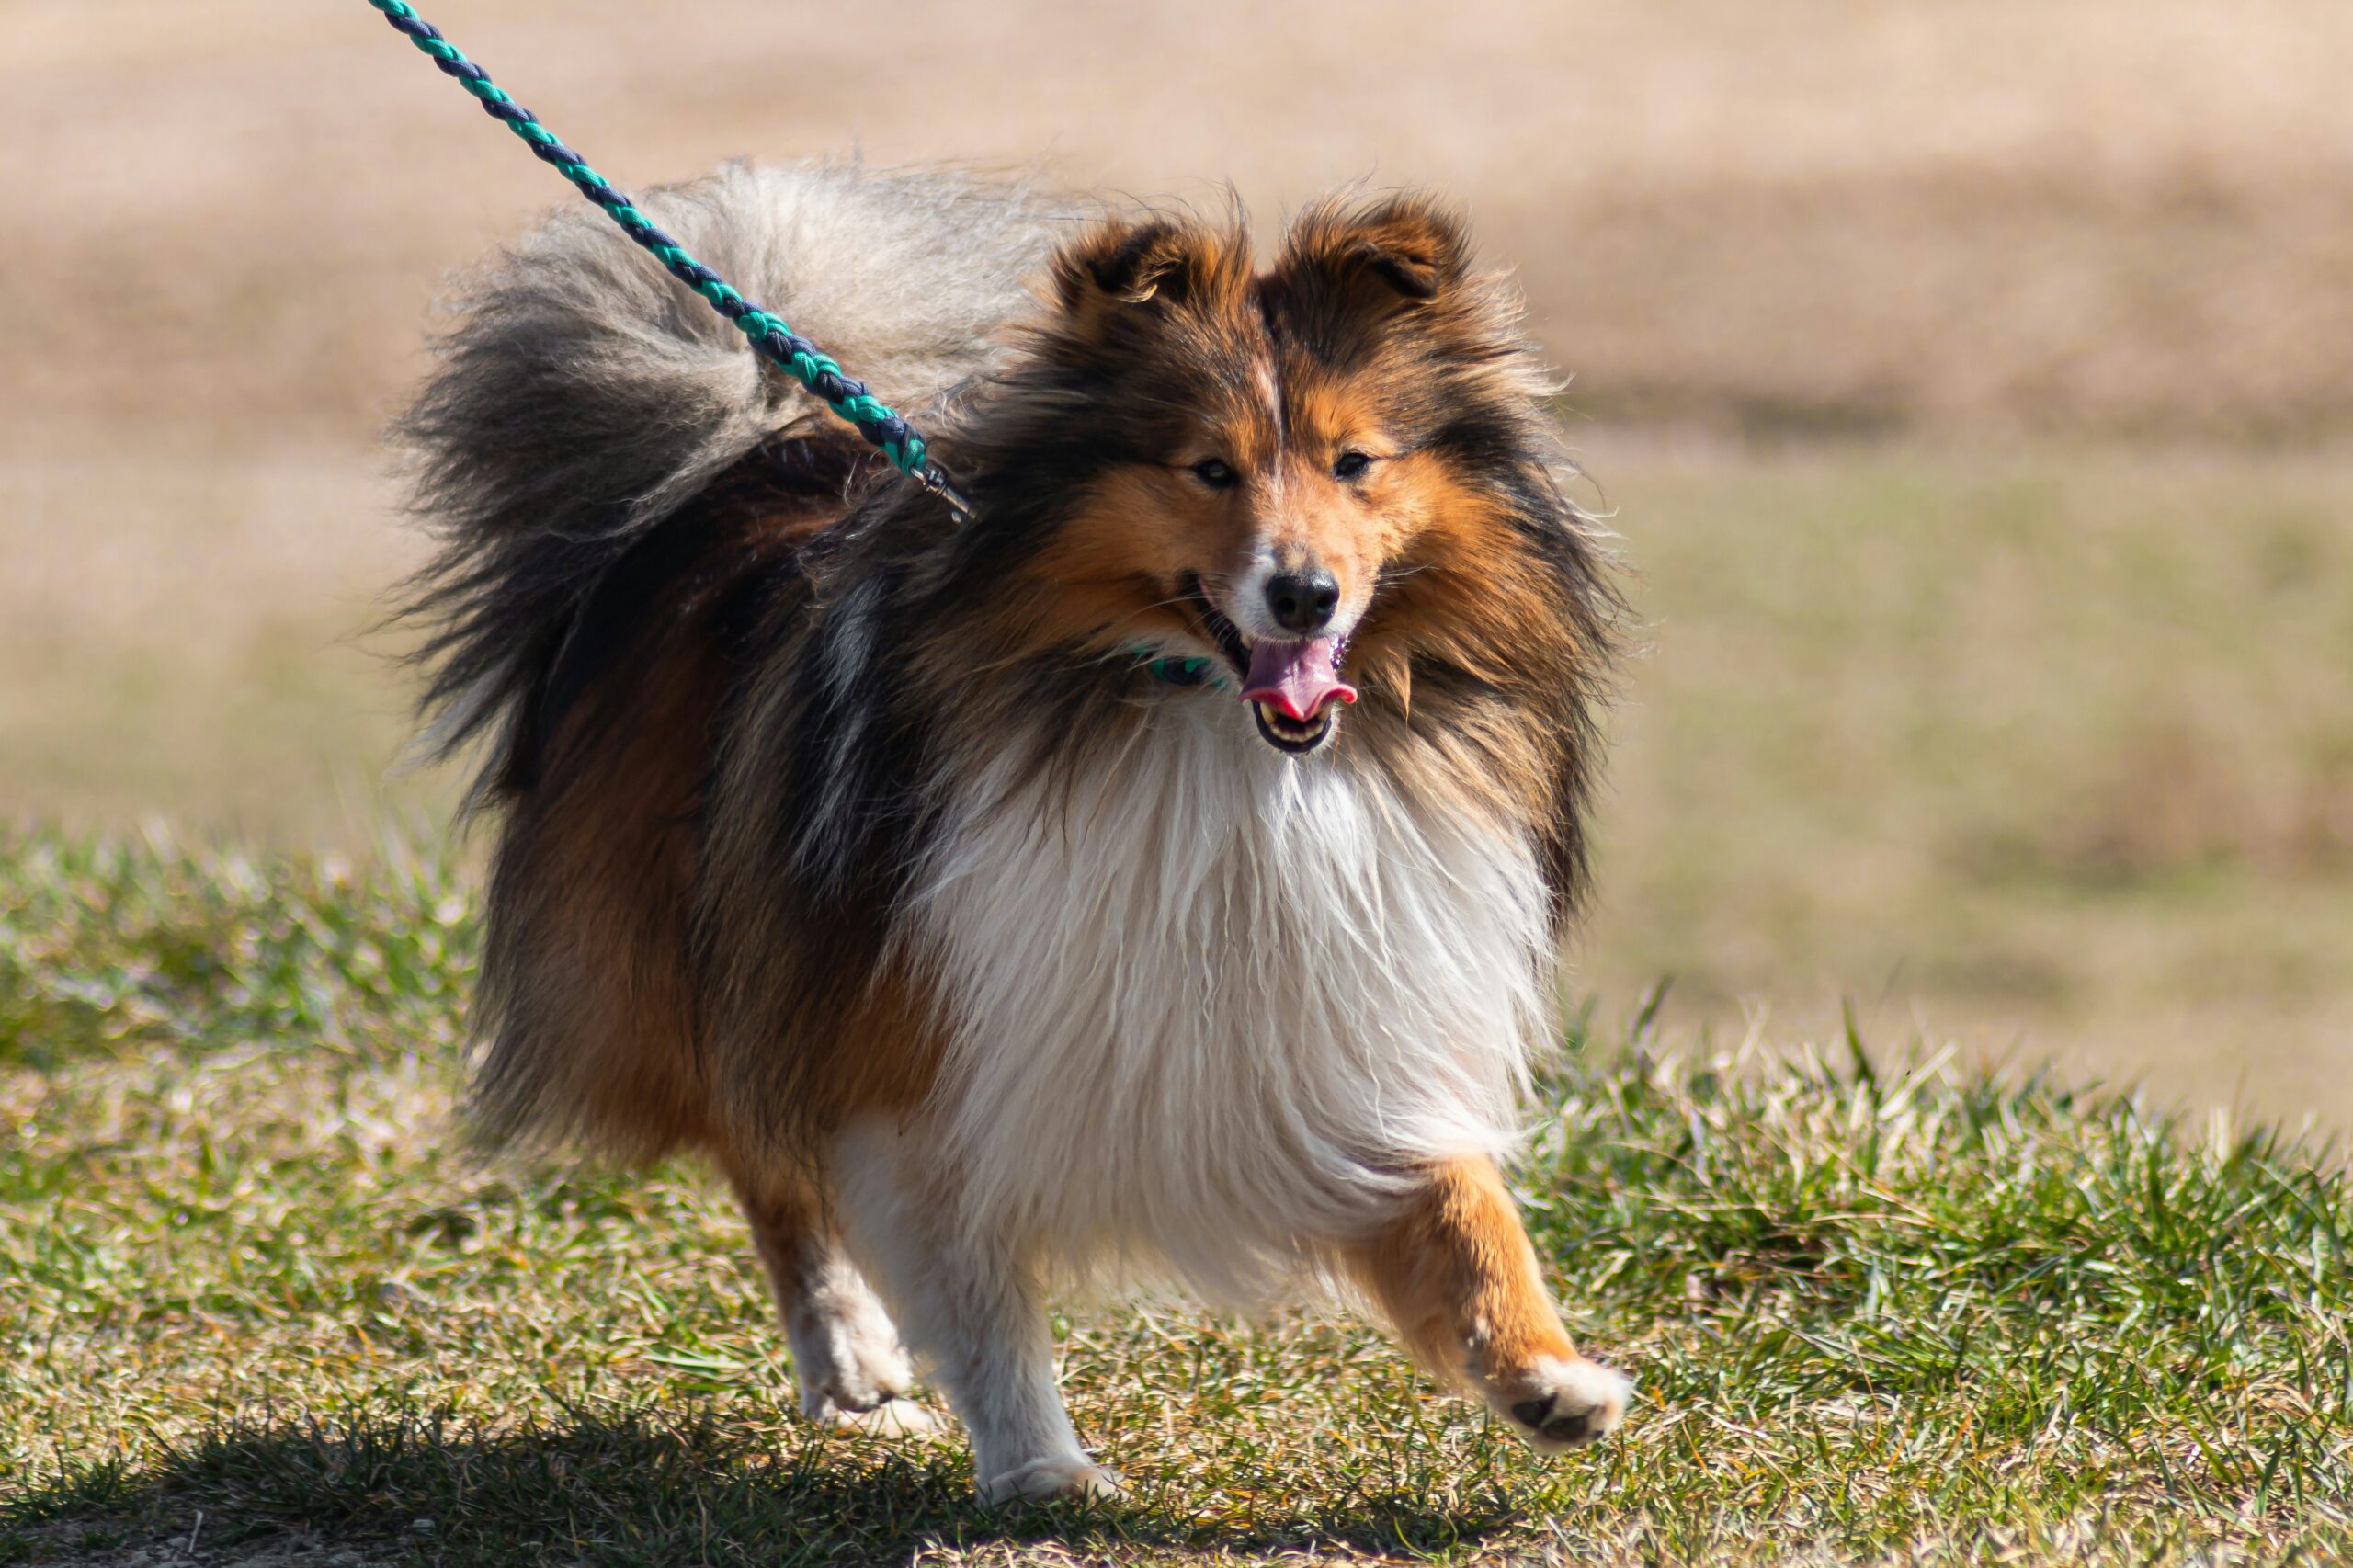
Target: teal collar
pixel 1183 671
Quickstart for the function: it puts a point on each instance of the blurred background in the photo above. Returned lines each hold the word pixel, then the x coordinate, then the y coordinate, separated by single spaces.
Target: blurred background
pixel 1971 382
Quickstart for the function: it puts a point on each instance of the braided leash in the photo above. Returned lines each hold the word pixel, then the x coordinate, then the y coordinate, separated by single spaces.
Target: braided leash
pixel 891 435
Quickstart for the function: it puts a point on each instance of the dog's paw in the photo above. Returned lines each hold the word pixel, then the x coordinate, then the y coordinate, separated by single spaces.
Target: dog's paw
pixel 1558 1404
pixel 1073 1476
pixel 891 1418
pixel 846 1355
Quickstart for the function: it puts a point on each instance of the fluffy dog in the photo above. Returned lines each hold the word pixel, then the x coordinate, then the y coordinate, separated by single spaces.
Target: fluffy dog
pixel 1159 876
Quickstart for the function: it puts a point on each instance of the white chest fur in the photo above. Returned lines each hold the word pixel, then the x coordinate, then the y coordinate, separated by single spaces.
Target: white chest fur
pixel 1204 1004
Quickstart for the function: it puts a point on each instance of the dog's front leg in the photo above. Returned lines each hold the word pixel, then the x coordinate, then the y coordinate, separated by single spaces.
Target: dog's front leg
pixel 845 1354
pixel 1456 1274
pixel 969 1306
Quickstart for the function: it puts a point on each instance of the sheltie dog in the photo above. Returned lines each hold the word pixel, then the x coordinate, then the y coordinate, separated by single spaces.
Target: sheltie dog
pixel 1157 877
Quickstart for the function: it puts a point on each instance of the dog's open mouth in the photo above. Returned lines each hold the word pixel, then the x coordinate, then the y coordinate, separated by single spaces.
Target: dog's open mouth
pixel 1295 691
pixel 1298 736
pixel 1294 688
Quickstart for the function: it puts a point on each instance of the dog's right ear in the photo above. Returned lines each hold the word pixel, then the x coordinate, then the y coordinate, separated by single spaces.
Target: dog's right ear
pixel 1116 265
pixel 1125 262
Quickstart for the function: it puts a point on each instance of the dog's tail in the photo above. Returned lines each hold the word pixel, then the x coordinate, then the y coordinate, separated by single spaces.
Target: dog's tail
pixel 585 396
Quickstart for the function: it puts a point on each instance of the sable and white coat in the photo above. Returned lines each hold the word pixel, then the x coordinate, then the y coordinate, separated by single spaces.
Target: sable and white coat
pixel 1159 876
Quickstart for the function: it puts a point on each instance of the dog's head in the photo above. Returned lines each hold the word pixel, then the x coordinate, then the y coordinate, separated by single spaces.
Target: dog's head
pixel 1317 478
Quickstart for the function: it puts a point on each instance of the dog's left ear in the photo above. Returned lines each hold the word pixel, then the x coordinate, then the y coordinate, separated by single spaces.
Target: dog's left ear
pixel 1404 249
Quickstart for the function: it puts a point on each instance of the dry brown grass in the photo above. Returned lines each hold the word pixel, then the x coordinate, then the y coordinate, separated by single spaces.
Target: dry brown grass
pixel 2047 752
pixel 192 638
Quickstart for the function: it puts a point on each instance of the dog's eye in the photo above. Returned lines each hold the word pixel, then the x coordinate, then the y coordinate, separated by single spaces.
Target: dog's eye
pixel 1348 465
pixel 1217 473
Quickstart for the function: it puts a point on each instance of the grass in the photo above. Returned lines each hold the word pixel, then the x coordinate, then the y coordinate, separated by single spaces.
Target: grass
pixel 2053 746
pixel 1878 1307
pixel 196 631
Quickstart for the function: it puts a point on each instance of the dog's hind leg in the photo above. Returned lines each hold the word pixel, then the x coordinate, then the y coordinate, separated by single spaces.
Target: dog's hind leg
pixel 845 1354
pixel 972 1312
pixel 1456 1274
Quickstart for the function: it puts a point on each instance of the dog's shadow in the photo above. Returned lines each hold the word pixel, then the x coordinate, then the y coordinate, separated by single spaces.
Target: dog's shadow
pixel 394 1488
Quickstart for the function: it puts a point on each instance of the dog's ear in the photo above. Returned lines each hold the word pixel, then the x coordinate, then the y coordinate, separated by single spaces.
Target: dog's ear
pixel 1401 250
pixel 1105 273
pixel 1127 262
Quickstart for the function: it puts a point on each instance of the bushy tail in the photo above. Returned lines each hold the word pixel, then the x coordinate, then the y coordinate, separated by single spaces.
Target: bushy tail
pixel 585 396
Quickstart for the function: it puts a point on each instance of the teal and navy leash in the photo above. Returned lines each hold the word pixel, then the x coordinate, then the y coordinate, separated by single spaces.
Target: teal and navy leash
pixel 890 434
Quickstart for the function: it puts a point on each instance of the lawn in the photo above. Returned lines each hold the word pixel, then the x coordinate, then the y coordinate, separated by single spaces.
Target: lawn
pixel 260 1290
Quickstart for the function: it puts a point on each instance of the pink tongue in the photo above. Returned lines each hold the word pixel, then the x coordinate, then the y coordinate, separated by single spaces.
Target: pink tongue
pixel 1297 679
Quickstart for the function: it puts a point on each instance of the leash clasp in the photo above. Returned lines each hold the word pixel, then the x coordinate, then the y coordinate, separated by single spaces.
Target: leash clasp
pixel 930 477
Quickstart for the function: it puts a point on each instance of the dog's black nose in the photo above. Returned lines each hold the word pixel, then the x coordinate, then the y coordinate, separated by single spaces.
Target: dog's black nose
pixel 1302 601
